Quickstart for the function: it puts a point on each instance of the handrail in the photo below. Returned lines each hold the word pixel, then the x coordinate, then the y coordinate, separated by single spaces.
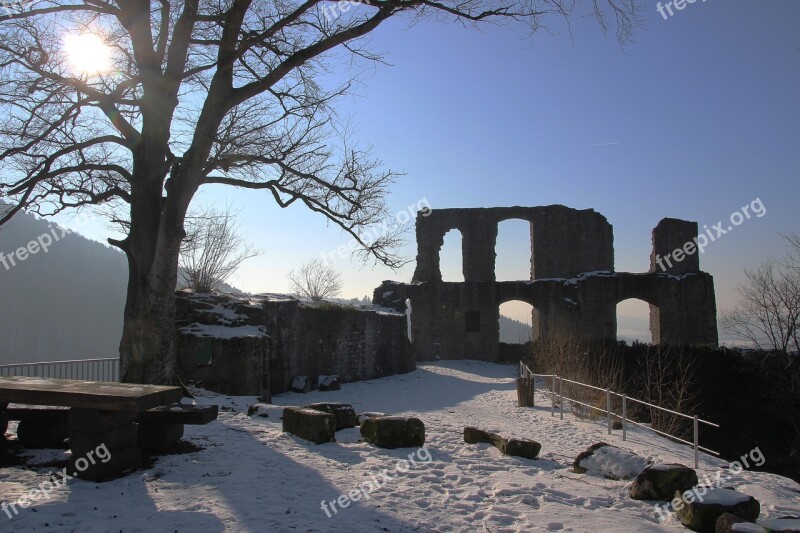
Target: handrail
pixel 526 372
pixel 105 369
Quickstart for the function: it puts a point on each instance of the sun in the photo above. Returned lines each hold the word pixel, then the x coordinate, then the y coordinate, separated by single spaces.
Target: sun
pixel 87 53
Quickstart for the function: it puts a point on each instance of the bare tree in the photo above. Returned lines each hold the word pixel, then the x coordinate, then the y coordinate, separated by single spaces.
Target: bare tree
pixel 665 377
pixel 199 92
pixel 315 280
pixel 768 314
pixel 213 249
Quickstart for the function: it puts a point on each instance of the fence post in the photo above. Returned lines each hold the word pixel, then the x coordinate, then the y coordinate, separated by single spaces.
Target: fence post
pixel 553 395
pixel 624 417
pixel 608 410
pixel 561 396
pixel 696 441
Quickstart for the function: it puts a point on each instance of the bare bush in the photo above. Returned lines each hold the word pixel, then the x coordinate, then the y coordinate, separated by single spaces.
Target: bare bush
pixel 213 250
pixel 315 280
pixel 665 377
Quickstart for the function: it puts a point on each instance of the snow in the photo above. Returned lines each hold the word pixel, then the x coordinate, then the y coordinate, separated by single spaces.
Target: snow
pixel 746 527
pixel 218 331
pixel 786 524
pixel 612 462
pixel 724 497
pixel 247 475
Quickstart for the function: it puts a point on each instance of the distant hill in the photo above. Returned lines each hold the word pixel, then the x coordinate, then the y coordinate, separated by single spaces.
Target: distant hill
pixel 66 303
pixel 513 331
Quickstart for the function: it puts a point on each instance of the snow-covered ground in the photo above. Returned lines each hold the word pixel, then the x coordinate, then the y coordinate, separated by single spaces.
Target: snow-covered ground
pixel 249 476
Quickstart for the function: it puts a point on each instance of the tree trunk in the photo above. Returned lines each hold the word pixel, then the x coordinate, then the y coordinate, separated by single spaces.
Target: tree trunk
pixel 147 349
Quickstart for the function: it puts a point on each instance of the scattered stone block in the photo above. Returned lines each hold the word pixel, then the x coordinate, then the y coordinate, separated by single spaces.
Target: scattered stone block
pixel 300 384
pixel 329 383
pixel 365 416
pixel 702 515
pixel 527 449
pixel 659 482
pixel 394 431
pixel 609 461
pixel 310 424
pixel 344 413
pixel 786 524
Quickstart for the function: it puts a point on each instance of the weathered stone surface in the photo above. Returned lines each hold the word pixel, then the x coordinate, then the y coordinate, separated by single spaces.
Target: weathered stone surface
pixel 329 383
pixel 304 339
pixel 310 424
pixel 609 461
pixel 785 524
pixel 572 283
pixel 36 434
pixel 528 449
pixel 97 421
pixel 659 482
pixel 726 521
pixel 394 431
pixel 300 384
pixel 82 442
pixel 365 416
pixel 159 437
pixel 344 413
pixel 702 516
pixel 117 464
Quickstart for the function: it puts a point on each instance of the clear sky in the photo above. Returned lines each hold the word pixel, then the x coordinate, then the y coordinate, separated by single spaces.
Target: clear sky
pixel 696 118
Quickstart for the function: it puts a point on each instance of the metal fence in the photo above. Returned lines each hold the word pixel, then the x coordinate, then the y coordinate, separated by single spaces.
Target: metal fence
pixel 82 369
pixel 558 398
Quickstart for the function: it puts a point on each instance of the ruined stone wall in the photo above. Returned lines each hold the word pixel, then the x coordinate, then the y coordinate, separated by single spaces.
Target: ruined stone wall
pixel 259 345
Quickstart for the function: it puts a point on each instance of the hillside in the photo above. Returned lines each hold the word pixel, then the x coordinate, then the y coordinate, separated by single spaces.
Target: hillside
pixel 65 303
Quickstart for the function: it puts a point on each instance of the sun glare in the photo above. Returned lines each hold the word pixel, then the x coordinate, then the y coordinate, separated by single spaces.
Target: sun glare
pixel 87 53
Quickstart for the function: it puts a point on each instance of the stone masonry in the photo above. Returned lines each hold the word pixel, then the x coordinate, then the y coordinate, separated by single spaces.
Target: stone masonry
pixel 573 285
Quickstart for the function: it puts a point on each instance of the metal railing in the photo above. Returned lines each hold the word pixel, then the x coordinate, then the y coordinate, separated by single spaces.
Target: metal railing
pixel 82 369
pixel 557 384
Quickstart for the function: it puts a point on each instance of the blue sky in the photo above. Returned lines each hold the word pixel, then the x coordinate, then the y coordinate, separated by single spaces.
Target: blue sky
pixel 696 118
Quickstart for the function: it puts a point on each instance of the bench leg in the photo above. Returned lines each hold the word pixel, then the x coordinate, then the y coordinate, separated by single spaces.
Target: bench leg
pixel 159 437
pixel 103 444
pixel 3 428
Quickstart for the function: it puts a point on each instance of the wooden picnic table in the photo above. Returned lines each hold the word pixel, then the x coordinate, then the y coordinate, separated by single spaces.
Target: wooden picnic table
pixel 100 423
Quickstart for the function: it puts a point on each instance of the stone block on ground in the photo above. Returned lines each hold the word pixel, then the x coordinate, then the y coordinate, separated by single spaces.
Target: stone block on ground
pixel 329 383
pixel 365 416
pixel 310 424
pixel 702 515
pixel 394 431
pixel 527 449
pixel 659 482
pixel 345 414
pixel 610 462
pixel 786 524
pixel 300 384
pixel 159 437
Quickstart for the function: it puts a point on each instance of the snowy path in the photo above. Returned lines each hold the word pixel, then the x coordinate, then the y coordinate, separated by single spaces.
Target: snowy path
pixel 250 476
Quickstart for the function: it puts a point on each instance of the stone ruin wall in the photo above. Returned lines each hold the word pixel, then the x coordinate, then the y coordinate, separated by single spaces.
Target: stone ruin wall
pixel 573 285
